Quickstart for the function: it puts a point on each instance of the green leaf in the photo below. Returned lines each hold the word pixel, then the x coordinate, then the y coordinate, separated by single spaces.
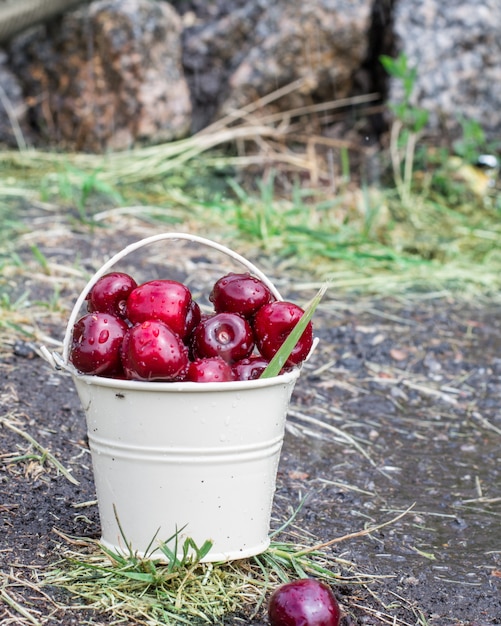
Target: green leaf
pixel 278 361
pixel 420 119
pixel 390 65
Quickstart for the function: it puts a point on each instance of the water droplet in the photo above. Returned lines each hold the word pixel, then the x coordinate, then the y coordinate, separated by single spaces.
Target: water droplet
pixel 104 335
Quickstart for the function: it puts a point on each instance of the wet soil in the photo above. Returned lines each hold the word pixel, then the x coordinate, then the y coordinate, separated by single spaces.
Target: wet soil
pixel 398 408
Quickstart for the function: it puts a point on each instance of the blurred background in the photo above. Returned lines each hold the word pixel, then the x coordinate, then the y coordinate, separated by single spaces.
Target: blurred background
pixel 361 136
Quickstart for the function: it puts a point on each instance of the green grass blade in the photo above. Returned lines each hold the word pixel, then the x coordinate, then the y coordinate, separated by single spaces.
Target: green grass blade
pixel 289 521
pixel 278 361
pixel 116 557
pixel 203 550
pixel 143 577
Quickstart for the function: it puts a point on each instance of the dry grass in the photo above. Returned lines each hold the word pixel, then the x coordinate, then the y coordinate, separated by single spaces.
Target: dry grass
pixel 339 221
pixel 34 457
pixel 272 136
pixel 156 593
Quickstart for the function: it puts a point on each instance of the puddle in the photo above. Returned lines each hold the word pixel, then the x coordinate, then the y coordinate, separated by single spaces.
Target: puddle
pixel 370 437
pixel 453 530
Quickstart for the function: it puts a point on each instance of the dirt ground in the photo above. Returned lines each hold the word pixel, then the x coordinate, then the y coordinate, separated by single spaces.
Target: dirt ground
pixel 397 408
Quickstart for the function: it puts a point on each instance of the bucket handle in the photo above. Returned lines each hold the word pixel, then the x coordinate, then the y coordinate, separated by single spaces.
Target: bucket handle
pixel 55 359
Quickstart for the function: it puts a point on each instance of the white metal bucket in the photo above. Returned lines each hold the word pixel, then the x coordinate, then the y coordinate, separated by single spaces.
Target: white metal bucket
pixel 201 457
pixel 196 459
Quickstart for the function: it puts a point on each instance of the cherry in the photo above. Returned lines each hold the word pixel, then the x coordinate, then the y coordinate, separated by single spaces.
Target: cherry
pixel 227 335
pixel 109 294
pixel 165 300
pixel 249 368
pixel 305 602
pixel 246 315
pixel 193 317
pixel 96 343
pixel 210 370
pixel 151 350
pixel 239 293
pixel 272 325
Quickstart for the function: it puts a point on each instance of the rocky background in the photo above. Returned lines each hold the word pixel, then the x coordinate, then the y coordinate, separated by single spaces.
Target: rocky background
pixel 112 74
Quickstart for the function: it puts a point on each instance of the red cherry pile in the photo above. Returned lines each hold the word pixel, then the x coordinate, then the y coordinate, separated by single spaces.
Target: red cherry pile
pixel 156 331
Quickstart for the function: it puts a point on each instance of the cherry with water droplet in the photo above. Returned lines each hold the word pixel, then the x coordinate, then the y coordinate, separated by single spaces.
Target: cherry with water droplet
pixel 167 300
pixel 96 343
pixel 250 368
pixel 239 293
pixel 151 350
pixel 109 294
pixel 227 335
pixel 273 323
pixel 210 370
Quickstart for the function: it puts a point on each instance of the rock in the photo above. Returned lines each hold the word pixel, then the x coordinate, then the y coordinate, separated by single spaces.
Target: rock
pixel 117 73
pixel 108 76
pixel 322 42
pixel 13 127
pixel 456 48
pixel 232 58
pixel 215 41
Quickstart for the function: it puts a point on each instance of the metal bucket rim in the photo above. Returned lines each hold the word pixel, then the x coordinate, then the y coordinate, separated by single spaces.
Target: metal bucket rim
pixel 122 385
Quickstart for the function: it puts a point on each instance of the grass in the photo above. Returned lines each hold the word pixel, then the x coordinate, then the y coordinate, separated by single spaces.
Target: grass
pixel 450 239
pixel 36 453
pixel 351 239
pixel 428 220
pixel 184 590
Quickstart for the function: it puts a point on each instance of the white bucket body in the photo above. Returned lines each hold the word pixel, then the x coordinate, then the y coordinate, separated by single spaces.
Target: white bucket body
pixel 201 457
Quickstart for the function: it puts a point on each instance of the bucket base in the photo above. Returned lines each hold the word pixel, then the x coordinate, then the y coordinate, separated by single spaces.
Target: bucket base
pixel 211 557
